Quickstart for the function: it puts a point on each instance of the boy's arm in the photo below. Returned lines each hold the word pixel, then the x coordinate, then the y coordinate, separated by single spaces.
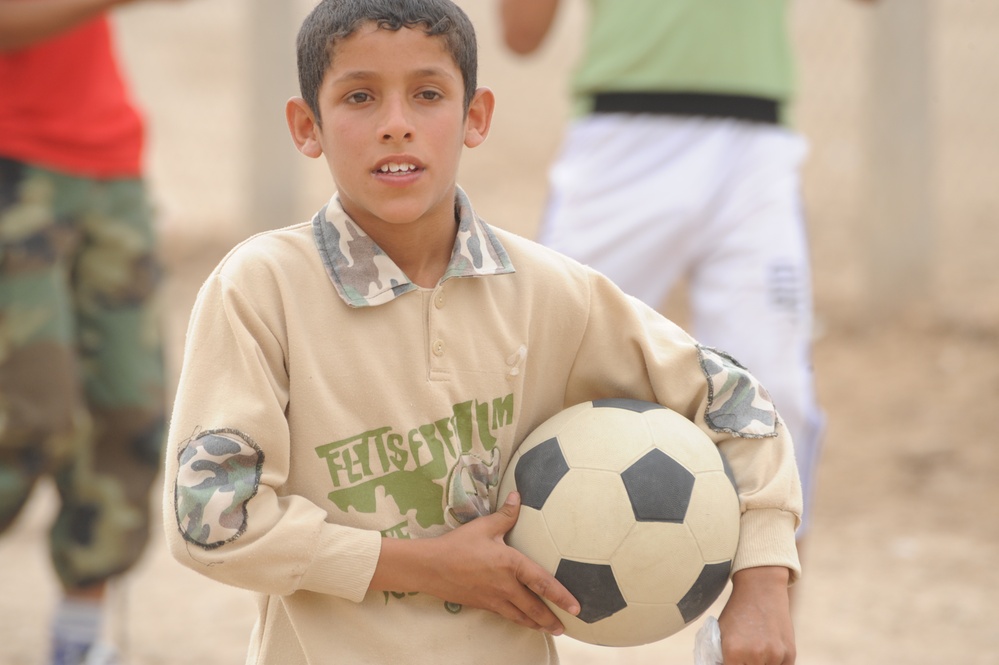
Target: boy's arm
pixel 228 459
pixel 25 23
pixel 473 566
pixel 756 622
pixel 526 22
pixel 628 350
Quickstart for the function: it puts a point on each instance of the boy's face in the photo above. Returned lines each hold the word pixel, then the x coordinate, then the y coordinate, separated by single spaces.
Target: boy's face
pixel 393 126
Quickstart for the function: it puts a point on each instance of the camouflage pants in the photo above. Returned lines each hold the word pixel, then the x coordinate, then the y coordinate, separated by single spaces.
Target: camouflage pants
pixel 81 368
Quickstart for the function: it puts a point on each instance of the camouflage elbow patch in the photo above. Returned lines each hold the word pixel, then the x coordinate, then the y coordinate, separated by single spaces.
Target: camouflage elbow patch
pixel 737 403
pixel 218 473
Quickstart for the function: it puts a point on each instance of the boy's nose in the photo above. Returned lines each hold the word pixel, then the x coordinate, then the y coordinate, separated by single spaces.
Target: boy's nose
pixel 396 124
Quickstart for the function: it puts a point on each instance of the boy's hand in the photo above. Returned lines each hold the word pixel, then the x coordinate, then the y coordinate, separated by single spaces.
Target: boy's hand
pixel 471 565
pixel 484 572
pixel 756 624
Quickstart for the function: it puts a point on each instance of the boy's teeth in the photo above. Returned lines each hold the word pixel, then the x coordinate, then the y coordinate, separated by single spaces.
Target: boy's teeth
pixel 394 168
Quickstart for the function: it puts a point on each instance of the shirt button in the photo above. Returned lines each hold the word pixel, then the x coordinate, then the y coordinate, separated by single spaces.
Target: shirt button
pixel 439 348
pixel 439 300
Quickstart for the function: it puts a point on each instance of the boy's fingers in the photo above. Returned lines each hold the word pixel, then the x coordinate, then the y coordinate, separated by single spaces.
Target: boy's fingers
pixel 511 507
pixel 520 617
pixel 536 614
pixel 506 515
pixel 544 585
pixel 528 609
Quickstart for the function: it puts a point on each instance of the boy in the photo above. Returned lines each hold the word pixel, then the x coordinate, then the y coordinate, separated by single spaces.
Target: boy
pixel 340 373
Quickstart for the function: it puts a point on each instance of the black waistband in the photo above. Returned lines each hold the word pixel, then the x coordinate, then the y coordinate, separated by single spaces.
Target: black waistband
pixel 740 107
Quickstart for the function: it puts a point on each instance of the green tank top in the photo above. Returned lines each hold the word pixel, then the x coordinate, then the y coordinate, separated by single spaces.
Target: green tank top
pixel 734 47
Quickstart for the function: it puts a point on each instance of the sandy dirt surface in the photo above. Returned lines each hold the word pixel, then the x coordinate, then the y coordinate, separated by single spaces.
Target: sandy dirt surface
pixel 900 566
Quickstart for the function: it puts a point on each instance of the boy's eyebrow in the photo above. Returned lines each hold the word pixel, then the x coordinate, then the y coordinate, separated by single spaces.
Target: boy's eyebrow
pixel 431 72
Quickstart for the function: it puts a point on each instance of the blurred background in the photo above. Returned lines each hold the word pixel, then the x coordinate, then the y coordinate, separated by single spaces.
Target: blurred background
pixel 898 102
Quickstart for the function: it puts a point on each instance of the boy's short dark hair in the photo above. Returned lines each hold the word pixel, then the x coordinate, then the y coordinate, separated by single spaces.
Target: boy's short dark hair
pixel 332 21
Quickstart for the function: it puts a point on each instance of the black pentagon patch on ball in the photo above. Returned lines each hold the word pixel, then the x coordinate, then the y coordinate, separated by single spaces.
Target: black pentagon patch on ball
pixel 709 585
pixel 594 587
pixel 539 471
pixel 659 488
pixel 635 405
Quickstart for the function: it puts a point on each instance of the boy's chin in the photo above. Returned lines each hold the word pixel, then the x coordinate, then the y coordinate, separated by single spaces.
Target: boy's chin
pixel 395 213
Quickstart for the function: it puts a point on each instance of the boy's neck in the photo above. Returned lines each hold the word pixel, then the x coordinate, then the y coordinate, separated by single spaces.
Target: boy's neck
pixel 422 251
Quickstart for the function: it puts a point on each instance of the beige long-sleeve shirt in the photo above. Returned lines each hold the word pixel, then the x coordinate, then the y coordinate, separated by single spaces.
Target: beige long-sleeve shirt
pixel 326 402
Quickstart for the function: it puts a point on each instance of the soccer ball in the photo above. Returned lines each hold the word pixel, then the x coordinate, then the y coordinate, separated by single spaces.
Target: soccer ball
pixel 634 510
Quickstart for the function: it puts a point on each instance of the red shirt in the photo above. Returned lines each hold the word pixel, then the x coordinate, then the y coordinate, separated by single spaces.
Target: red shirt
pixel 64 105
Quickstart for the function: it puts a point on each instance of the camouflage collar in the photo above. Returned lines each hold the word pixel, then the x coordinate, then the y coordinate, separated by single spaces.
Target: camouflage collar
pixel 365 276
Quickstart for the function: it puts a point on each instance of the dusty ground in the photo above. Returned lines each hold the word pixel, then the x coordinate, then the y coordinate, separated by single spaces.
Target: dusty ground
pixel 900 567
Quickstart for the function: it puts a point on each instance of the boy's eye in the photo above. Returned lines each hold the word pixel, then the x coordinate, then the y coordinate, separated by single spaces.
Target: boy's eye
pixel 358 97
pixel 429 95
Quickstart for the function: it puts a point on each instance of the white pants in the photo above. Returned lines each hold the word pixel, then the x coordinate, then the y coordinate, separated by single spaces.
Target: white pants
pixel 648 200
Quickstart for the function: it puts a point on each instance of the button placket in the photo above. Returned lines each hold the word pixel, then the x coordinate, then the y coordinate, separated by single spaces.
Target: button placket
pixel 437 346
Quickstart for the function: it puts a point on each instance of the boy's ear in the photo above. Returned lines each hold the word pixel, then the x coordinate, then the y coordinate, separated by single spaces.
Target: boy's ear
pixel 303 127
pixel 480 117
